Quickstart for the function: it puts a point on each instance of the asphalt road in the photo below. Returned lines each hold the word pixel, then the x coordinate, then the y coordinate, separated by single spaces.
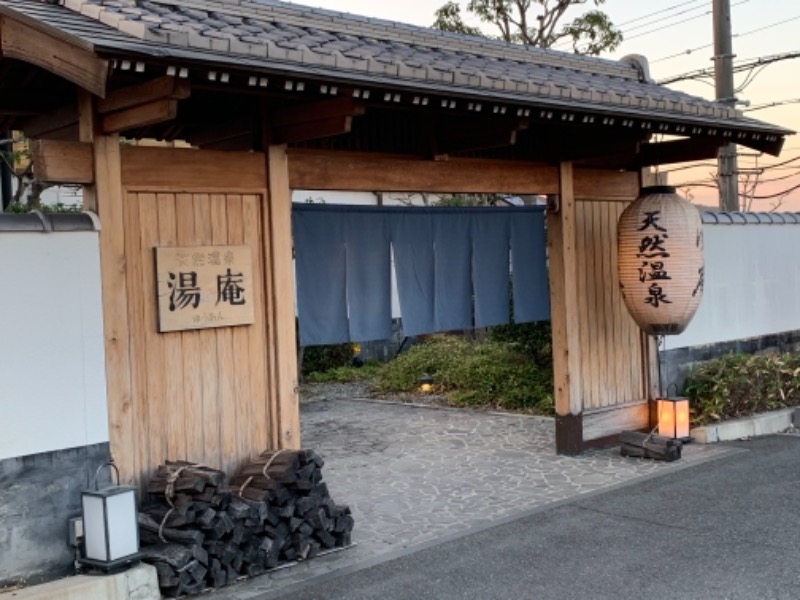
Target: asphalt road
pixel 725 529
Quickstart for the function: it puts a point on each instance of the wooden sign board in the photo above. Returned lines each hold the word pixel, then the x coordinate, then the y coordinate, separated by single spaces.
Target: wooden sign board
pixel 204 286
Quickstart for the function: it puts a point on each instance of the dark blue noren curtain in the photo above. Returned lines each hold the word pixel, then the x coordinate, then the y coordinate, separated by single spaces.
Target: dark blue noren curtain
pixel 529 267
pixel 490 275
pixel 412 244
pixel 320 265
pixel 369 298
pixel 451 264
pixel 452 246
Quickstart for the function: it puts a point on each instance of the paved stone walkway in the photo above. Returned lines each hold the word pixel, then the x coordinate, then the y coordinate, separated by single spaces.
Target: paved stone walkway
pixel 413 475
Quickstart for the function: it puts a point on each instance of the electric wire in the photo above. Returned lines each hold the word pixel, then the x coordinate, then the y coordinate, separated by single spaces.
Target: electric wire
pixel 566 43
pixel 736 35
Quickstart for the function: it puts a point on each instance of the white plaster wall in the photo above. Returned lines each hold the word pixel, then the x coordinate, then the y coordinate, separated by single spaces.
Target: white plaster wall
pixel 52 366
pixel 752 284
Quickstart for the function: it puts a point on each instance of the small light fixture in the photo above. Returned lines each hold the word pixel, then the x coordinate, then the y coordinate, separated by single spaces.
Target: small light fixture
pixel 673 418
pixel 110 525
pixel 426 384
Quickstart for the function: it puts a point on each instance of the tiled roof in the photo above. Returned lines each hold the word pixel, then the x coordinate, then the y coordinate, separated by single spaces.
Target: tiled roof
pixel 712 217
pixel 281 31
pixel 270 34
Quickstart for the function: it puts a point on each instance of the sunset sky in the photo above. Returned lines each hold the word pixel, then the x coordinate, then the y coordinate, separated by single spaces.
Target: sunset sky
pixel 677 37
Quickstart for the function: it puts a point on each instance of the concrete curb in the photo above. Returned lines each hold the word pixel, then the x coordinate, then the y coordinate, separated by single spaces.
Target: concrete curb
pixel 762 424
pixel 137 583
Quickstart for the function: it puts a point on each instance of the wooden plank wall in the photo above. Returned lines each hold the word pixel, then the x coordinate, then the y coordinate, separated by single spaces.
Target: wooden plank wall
pixel 612 361
pixel 196 395
pixel 210 396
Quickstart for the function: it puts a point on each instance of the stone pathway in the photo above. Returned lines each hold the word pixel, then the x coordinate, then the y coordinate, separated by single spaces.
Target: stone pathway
pixel 413 475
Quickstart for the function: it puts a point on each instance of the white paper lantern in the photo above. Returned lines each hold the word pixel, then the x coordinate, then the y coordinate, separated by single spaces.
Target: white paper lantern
pixel 660 260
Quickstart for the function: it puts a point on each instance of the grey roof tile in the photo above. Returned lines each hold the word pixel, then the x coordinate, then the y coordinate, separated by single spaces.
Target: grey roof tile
pixel 344 44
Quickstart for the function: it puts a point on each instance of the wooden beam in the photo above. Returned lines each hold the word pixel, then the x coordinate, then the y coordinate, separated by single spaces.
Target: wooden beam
pixel 70 61
pixel 676 151
pixel 191 170
pixel 49 124
pixel 278 234
pixel 483 137
pixel 161 88
pixel 62 162
pixel 313 130
pixel 314 120
pixel 365 172
pixel 241 143
pixel 322 170
pixel 606 422
pixel 565 317
pixel 220 132
pixel 153 112
pixel 341 106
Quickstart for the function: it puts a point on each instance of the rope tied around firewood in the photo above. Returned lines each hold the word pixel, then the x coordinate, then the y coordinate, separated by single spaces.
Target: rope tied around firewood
pixel 249 480
pixel 169 493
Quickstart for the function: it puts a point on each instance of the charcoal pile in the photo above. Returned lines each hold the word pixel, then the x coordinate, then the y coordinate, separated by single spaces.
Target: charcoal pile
pixel 201 530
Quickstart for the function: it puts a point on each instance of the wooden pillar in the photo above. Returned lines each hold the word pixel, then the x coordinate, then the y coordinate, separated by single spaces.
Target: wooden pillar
pixel 105 196
pixel 285 413
pixel 565 319
pixel 651 375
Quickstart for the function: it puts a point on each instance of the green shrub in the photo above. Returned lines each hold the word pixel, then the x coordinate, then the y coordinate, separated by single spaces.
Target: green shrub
pixel 533 339
pixel 488 374
pixel 737 385
pixel 16 207
pixel 318 359
pixel 345 374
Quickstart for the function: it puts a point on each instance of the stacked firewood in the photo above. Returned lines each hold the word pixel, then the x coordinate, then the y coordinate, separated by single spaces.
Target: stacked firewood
pixel 642 445
pixel 201 531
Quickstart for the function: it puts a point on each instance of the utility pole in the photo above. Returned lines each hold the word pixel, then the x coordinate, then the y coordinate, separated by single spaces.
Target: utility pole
pixel 727 169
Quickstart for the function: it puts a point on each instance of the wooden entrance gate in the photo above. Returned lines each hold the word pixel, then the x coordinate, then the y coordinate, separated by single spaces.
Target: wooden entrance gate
pixel 208 395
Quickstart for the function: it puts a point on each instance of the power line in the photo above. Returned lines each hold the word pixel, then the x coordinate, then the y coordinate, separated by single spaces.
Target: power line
pixel 743 66
pixel 771 104
pixel 737 35
pixel 661 27
pixel 658 12
pixel 777 194
pixel 649 15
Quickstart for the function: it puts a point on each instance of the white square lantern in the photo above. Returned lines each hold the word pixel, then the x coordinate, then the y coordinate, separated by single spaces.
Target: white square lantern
pixel 110 525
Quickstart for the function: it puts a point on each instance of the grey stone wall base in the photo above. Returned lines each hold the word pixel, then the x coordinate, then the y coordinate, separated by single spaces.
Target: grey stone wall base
pixel 677 363
pixel 38 494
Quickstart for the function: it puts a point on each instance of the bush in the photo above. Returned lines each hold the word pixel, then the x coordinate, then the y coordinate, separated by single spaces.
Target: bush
pixel 738 385
pixel 533 339
pixel 491 374
pixel 318 359
pixel 345 374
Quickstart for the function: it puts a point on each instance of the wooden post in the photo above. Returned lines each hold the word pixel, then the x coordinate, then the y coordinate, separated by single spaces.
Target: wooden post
pixel 280 300
pixel 107 196
pixel 649 345
pixel 86 134
pixel 565 318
